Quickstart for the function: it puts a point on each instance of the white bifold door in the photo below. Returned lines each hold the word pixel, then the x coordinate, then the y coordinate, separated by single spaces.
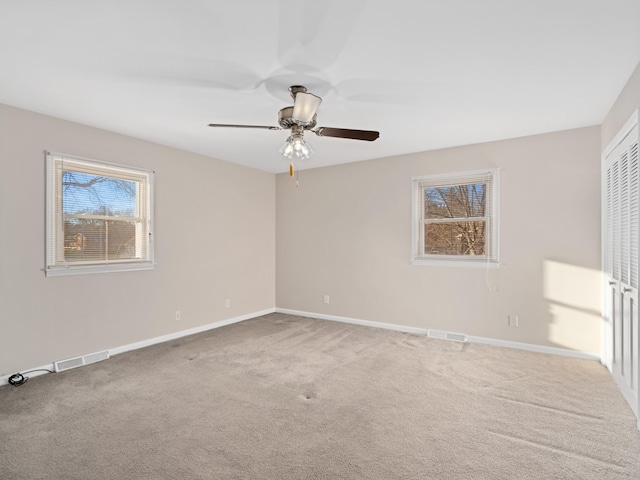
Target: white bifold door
pixel 621 232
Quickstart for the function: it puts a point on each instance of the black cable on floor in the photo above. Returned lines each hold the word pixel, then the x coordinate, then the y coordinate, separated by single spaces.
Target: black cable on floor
pixel 18 379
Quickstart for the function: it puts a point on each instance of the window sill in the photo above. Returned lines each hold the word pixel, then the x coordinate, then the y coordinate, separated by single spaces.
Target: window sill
pixel 88 269
pixel 432 262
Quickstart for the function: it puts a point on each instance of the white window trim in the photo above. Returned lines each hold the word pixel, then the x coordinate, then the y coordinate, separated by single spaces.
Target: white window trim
pixel 490 261
pixel 54 219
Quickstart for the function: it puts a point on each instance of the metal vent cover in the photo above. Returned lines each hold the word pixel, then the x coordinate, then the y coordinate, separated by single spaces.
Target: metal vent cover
pixel 456 337
pixel 74 362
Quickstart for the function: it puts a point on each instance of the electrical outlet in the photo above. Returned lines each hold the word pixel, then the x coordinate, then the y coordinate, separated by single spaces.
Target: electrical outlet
pixel 178 316
pixel 227 303
pixel 326 299
pixel 512 320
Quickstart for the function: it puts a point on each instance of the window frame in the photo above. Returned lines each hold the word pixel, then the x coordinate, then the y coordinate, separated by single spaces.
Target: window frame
pixel 55 262
pixel 419 183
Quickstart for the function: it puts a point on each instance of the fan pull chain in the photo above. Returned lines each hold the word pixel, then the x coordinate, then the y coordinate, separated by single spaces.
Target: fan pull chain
pixel 293 172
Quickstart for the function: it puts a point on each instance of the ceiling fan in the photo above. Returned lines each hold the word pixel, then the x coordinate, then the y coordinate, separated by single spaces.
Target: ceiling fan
pixel 301 117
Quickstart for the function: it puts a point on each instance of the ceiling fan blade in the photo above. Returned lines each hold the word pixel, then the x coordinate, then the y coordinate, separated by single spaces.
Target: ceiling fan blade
pixel 368 135
pixel 313 35
pixel 244 126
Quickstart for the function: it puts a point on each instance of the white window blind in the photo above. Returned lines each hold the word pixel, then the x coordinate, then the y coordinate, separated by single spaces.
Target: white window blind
pixel 455 218
pixel 99 216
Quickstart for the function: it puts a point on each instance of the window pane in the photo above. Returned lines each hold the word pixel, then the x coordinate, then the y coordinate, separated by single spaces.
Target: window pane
pixel 99 240
pixel 457 201
pixel 455 238
pixel 97 195
pixel 98 217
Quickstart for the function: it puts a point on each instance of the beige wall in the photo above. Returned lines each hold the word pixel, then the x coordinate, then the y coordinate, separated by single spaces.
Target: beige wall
pixel 628 101
pixel 214 239
pixel 346 232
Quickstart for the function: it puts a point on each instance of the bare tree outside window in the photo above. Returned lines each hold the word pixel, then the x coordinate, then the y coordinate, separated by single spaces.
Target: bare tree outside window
pixel 454 220
pixel 99 216
pixel 455 217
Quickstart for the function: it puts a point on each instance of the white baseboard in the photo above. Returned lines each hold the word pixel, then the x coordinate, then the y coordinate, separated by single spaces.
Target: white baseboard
pixel 356 321
pixel 423 331
pixel 185 333
pixel 4 380
pixel 37 371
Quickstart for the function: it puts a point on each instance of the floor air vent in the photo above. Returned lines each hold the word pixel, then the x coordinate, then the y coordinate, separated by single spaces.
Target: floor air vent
pixel 456 337
pixel 70 363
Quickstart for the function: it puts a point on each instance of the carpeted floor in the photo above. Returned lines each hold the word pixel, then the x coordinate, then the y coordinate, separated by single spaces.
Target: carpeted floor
pixel 291 398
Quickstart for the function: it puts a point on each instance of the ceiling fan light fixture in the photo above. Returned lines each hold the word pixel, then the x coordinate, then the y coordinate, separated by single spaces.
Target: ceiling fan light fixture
pixel 299 118
pixel 296 148
pixel 305 107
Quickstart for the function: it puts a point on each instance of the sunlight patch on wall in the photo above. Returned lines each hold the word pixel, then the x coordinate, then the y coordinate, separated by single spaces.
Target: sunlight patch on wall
pixel 574 305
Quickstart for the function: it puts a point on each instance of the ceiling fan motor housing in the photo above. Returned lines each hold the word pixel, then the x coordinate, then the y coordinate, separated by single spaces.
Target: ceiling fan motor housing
pixel 286 121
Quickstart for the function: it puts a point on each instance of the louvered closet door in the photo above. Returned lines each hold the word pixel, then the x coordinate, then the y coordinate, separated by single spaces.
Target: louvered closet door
pixel 621 211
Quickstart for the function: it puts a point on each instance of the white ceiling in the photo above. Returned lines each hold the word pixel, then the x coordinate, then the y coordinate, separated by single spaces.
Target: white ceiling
pixel 427 74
